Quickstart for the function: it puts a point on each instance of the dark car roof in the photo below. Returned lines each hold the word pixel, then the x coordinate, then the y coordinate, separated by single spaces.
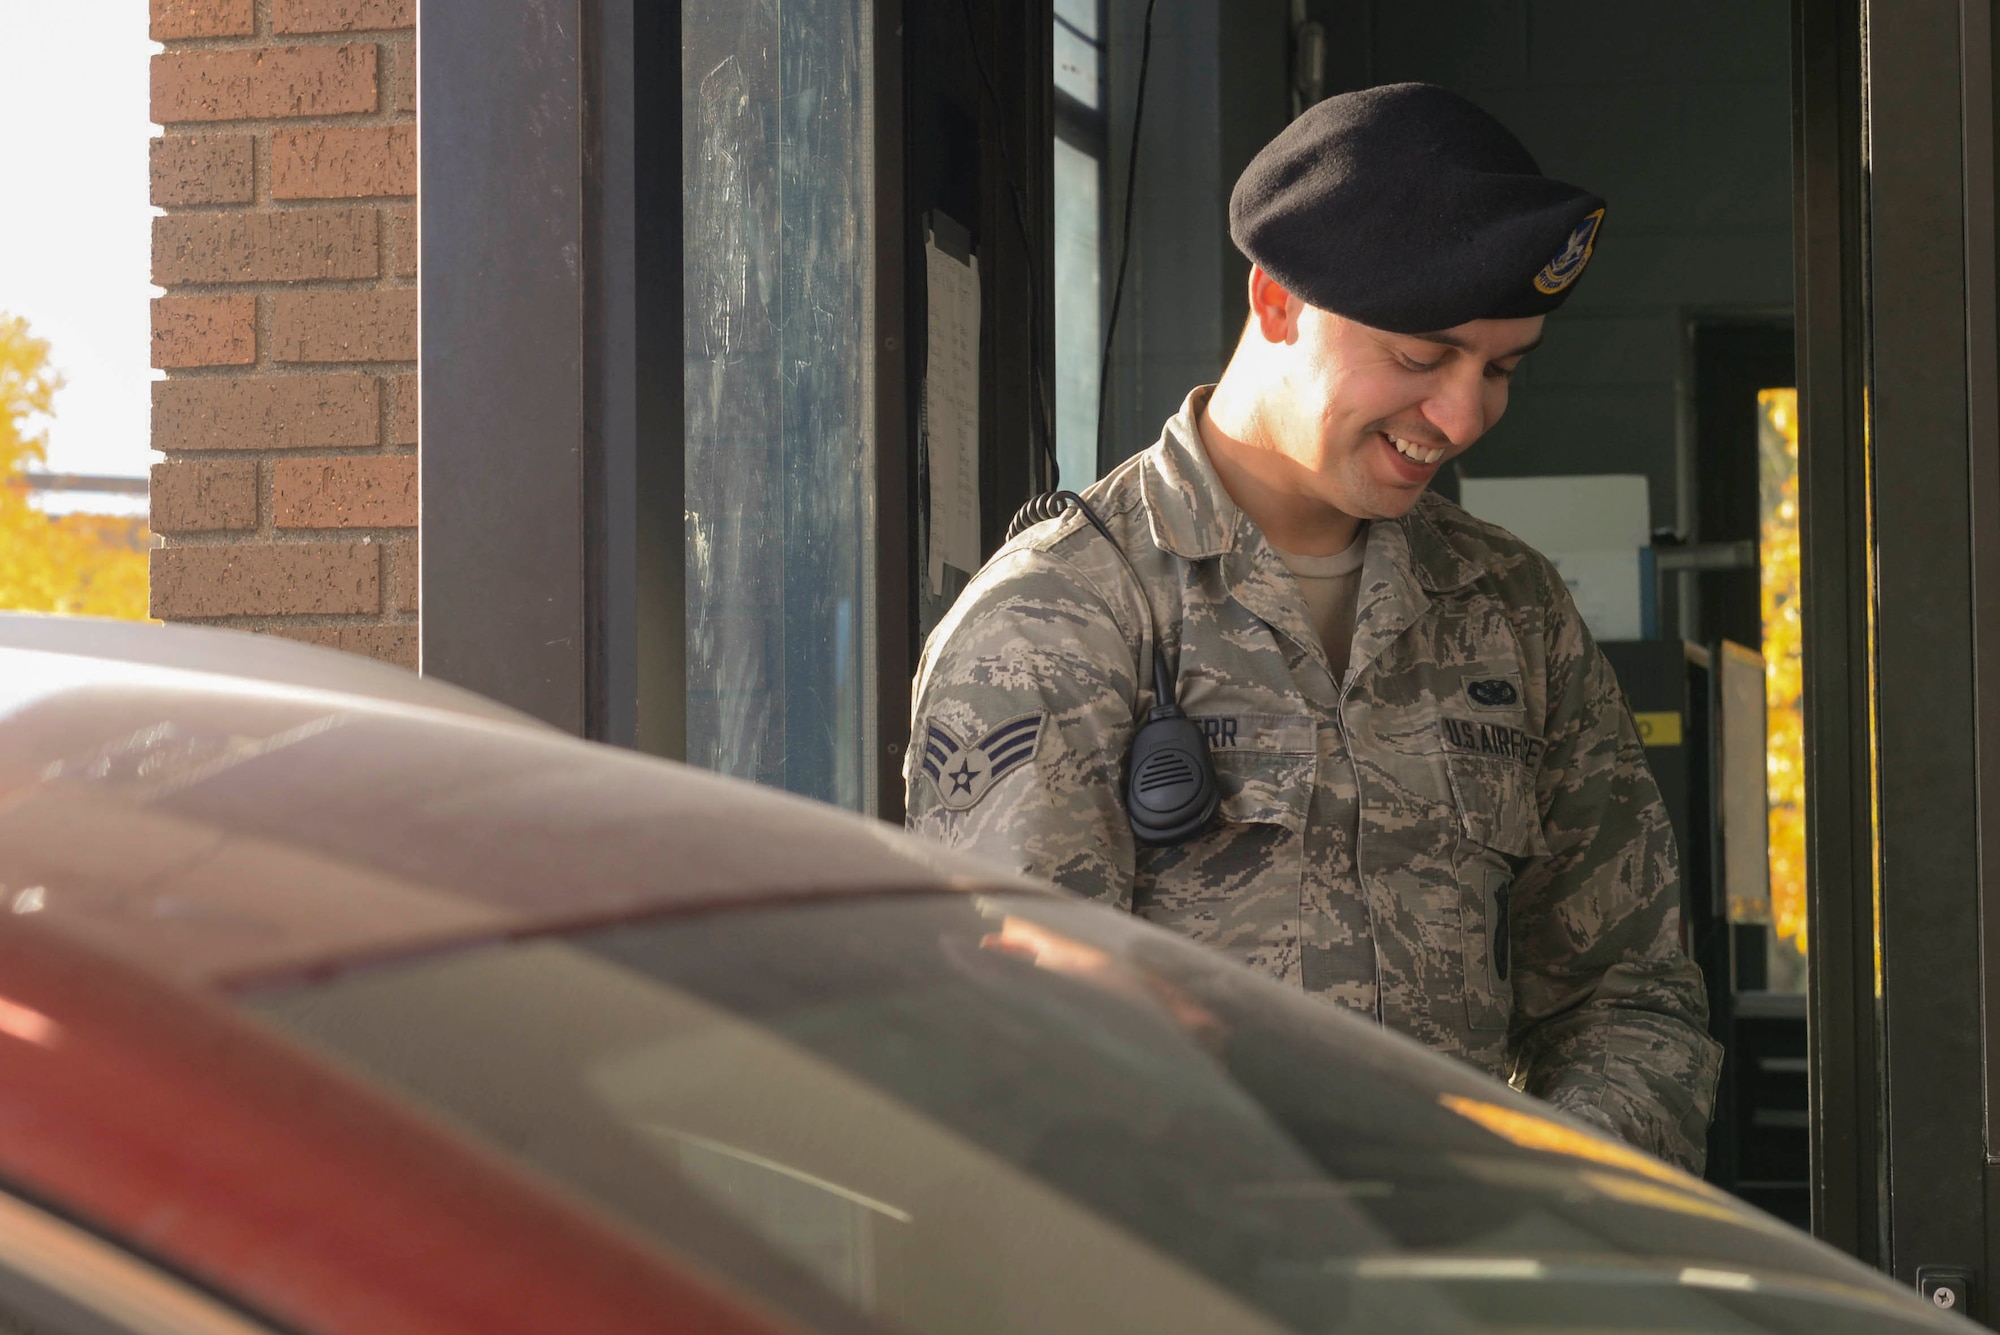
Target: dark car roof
pixel 222 810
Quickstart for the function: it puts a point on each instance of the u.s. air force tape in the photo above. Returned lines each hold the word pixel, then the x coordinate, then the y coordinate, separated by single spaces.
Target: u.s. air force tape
pixel 1479 737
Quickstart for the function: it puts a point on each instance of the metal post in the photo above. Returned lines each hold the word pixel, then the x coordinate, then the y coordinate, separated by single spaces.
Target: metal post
pixel 1848 1154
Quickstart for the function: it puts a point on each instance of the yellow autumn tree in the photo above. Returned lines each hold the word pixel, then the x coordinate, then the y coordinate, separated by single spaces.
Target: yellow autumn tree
pixel 1784 660
pixel 92 565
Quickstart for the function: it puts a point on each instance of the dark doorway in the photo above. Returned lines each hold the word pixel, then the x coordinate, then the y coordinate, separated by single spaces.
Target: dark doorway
pixel 1734 362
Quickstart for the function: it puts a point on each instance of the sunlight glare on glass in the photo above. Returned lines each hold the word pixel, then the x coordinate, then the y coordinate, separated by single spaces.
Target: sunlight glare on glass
pixel 1079 321
pixel 1079 51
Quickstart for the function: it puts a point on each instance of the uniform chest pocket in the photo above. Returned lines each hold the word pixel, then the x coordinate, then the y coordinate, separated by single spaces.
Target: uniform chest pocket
pixel 1236 886
pixel 1500 826
pixel 1497 806
pixel 1265 765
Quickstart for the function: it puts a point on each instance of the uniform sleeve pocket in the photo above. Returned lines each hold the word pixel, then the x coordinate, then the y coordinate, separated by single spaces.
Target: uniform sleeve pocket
pixel 1265 788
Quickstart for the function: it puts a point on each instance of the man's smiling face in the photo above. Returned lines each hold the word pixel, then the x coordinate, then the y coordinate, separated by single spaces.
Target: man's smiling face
pixel 1371 416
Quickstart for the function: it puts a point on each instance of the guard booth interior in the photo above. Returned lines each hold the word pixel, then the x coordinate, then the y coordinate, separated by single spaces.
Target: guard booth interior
pixel 680 411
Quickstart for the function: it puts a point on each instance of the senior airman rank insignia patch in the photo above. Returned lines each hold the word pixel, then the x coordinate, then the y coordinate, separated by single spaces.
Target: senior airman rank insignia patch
pixel 962 773
pixel 1568 264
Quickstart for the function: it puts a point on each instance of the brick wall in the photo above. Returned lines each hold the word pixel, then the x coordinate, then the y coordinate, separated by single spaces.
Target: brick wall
pixel 287 498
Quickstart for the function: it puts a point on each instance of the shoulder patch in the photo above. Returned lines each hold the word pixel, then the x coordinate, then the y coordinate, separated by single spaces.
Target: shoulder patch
pixel 1568 264
pixel 963 772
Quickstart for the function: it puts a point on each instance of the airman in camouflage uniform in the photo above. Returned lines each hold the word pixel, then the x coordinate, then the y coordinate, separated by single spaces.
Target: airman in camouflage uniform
pixel 1454 830
pixel 1461 838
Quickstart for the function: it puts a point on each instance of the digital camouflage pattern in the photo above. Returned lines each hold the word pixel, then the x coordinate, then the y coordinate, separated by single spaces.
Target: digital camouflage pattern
pixel 1461 839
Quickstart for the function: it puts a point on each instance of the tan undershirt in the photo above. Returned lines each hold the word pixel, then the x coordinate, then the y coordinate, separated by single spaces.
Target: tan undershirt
pixel 1331 586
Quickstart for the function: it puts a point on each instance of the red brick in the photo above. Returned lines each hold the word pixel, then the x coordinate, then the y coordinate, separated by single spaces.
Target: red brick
pixel 260 247
pixel 405 577
pixel 201 169
pixel 309 578
pixel 204 331
pixel 174 20
pixel 399 84
pixel 344 164
pixel 375 491
pixel 266 413
pixel 402 229
pixel 297 16
pixel 204 495
pixel 378 326
pixel 273 81
pixel 391 644
pixel 403 410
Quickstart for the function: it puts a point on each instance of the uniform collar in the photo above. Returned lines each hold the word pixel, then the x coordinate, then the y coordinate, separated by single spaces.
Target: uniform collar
pixel 1194 518
pixel 1191 515
pixel 1440 565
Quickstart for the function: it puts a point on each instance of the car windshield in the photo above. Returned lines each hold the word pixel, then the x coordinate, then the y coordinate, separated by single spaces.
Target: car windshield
pixel 1016 1114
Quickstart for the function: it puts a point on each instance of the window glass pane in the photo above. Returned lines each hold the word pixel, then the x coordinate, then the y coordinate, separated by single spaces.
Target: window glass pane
pixel 1004 1115
pixel 780 461
pixel 1080 15
pixel 1078 50
pixel 1079 324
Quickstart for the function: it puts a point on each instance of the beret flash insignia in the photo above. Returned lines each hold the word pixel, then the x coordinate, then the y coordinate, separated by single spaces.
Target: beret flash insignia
pixel 962 773
pixel 1567 266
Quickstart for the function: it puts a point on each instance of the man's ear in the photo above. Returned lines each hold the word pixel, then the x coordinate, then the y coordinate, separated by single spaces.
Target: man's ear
pixel 1271 307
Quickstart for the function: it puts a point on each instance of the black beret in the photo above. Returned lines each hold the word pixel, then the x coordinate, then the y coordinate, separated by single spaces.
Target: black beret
pixel 1407 208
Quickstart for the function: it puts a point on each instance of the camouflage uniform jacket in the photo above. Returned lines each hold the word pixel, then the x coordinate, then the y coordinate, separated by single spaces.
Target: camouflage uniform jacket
pixel 1461 838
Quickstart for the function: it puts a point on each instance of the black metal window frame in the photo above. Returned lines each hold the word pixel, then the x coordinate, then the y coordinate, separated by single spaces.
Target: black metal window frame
pixel 1895 136
pixel 550 351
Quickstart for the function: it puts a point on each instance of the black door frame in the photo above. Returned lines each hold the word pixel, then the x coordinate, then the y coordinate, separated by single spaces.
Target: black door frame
pixel 1980 84
pixel 1894 139
pixel 1847 1153
pixel 1926 702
